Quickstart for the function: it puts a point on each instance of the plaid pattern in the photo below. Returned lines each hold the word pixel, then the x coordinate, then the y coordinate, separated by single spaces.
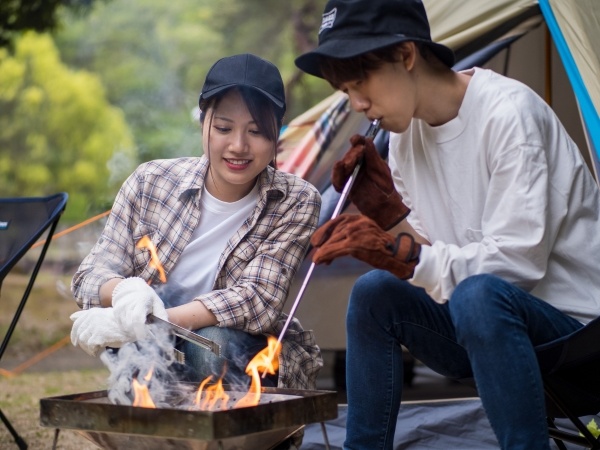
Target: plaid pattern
pixel 161 200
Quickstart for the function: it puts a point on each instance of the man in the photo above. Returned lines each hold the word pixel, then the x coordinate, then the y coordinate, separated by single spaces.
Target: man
pixel 485 230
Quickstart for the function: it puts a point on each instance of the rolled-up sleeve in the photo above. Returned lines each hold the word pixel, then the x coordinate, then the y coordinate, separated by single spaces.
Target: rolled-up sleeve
pixel 112 255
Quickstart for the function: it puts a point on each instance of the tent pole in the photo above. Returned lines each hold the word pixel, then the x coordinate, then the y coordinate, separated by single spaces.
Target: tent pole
pixel 548 77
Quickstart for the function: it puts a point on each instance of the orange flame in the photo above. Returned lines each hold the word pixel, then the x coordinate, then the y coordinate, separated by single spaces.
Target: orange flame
pixel 267 360
pixel 198 400
pixel 212 395
pixel 145 242
pixel 208 398
pixel 142 394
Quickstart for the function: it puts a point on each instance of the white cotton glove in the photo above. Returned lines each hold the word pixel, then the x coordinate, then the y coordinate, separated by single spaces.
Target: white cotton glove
pixel 133 299
pixel 96 328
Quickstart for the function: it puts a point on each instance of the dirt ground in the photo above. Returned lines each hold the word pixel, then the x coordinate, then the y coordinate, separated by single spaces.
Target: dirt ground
pixel 20 402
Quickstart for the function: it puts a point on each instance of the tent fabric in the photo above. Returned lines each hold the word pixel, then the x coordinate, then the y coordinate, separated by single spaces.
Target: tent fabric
pixel 579 23
pixel 575 29
pixel 310 132
pixel 457 23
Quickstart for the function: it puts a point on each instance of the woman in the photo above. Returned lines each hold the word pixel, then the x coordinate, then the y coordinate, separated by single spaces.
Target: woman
pixel 230 232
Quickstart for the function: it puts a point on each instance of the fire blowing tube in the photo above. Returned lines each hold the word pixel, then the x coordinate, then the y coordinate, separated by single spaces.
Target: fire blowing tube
pixel 371 133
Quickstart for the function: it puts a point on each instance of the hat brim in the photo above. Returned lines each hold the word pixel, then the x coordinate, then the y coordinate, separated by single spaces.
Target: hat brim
pixel 212 92
pixel 342 48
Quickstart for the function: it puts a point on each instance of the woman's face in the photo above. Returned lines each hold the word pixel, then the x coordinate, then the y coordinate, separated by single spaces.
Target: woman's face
pixel 236 148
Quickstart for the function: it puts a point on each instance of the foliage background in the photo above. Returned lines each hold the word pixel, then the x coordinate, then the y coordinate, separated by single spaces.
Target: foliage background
pixel 114 83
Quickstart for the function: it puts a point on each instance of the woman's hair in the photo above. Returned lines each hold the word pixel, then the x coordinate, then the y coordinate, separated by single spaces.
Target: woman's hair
pixel 339 71
pixel 268 119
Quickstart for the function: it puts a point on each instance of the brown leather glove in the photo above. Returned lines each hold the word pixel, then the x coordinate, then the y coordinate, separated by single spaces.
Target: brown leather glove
pixel 373 191
pixel 359 236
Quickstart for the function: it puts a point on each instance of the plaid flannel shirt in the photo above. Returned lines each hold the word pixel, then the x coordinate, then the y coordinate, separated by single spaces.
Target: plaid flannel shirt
pixel 161 200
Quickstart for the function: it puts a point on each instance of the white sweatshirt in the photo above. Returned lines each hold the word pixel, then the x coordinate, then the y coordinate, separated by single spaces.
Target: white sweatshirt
pixel 502 189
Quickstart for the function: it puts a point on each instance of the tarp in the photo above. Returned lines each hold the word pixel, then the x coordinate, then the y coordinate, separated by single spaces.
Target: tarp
pixel 452 424
pixel 443 424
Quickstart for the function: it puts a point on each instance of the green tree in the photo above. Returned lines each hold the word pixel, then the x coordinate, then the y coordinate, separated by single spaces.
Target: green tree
pixel 57 130
pixel 152 56
pixel 278 31
pixel 18 16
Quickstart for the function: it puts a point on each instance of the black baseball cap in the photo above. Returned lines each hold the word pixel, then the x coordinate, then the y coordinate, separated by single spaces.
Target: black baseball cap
pixel 245 70
pixel 354 27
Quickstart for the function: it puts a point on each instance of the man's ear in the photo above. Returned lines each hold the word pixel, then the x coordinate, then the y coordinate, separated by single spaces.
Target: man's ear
pixel 407 53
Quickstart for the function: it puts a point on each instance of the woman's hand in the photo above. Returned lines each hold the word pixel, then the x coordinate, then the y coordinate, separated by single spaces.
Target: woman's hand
pixel 133 299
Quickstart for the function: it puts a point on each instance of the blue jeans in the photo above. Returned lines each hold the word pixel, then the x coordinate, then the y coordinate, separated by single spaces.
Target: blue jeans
pixel 237 349
pixel 487 331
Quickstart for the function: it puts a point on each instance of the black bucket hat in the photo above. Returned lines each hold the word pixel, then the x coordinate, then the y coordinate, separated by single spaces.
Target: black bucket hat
pixel 245 70
pixel 354 27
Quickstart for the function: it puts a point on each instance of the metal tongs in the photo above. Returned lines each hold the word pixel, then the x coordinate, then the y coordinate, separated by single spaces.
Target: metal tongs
pixel 188 335
pixel 371 133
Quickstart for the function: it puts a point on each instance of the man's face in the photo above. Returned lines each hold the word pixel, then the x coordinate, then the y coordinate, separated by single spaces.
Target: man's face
pixel 387 93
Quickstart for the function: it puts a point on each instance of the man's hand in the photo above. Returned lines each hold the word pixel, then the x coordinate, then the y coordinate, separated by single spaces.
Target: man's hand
pixel 133 300
pixel 96 328
pixel 359 236
pixel 373 191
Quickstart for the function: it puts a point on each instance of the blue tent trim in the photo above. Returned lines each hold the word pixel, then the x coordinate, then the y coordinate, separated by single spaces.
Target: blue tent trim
pixel 588 111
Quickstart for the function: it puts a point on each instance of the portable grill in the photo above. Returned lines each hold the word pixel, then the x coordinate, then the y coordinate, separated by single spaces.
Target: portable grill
pixel 280 413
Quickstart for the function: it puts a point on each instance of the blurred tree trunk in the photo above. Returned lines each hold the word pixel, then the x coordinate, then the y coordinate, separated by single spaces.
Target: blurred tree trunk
pixel 279 31
pixel 306 18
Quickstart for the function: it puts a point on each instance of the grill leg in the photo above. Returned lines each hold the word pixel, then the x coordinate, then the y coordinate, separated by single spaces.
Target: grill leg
pixel 325 438
pixel 18 439
pixel 55 442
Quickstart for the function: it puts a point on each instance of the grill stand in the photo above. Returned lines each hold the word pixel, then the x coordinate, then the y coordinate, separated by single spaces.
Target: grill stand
pixel 261 427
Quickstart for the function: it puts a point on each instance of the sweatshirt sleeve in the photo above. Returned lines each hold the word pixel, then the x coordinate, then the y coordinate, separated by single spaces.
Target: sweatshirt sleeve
pixel 517 229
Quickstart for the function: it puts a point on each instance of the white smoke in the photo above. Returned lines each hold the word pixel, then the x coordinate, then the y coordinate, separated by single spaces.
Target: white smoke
pixel 151 357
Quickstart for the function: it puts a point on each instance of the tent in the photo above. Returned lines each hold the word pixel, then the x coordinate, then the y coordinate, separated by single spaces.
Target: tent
pixel 547 44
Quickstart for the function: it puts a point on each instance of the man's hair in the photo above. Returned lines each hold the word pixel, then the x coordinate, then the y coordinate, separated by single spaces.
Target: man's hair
pixel 338 71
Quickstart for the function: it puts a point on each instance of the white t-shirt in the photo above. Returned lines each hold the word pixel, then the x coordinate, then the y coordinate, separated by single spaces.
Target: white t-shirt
pixel 196 269
pixel 502 189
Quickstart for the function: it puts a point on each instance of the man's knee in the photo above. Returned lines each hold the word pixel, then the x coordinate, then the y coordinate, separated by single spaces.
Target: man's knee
pixel 375 295
pixel 475 292
pixel 475 303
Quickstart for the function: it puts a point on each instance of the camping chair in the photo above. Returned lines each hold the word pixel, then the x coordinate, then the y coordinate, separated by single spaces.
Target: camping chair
pixel 22 223
pixel 570 368
pixel 571 372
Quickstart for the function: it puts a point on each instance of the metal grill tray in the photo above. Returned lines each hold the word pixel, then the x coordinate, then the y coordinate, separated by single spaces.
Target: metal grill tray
pixel 280 411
